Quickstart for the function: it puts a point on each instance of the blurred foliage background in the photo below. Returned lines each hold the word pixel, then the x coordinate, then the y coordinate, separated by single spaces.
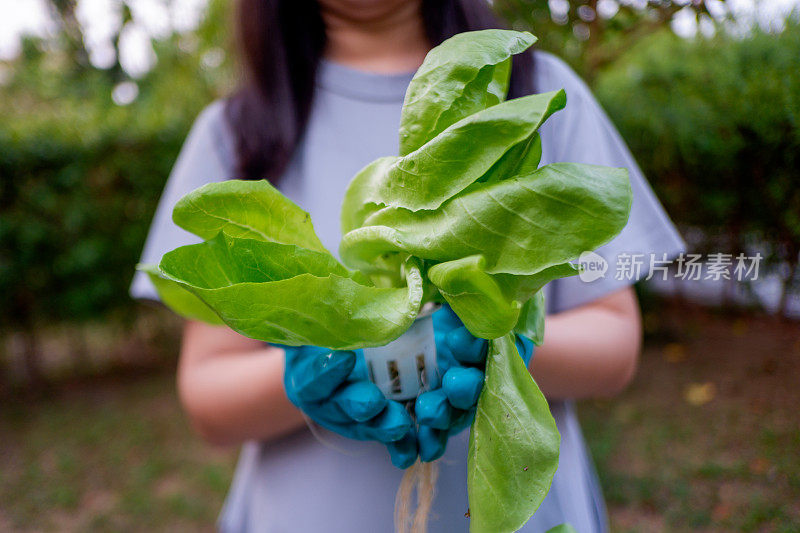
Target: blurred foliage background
pixel 715 126
pixel 85 155
pixel 709 103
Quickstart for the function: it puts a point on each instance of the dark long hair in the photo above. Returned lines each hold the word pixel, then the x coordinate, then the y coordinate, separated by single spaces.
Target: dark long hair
pixel 281 43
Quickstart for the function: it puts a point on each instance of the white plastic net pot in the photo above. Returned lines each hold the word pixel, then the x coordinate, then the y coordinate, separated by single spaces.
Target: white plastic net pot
pixel 407 365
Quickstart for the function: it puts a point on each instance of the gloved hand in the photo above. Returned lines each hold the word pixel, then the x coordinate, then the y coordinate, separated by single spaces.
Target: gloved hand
pixel 461 358
pixel 334 390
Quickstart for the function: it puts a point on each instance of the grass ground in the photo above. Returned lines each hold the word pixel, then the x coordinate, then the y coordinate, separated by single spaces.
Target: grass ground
pixel 706 439
pixel 708 436
pixel 116 456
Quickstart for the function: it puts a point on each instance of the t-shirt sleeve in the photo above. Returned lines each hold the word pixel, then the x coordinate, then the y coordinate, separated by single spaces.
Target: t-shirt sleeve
pixel 583 133
pixel 206 157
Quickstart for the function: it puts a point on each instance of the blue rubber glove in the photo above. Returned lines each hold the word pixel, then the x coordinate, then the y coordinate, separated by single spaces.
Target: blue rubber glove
pixel 461 357
pixel 334 390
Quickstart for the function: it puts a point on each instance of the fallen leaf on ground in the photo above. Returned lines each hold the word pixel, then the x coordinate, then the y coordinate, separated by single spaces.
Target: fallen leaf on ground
pixel 699 393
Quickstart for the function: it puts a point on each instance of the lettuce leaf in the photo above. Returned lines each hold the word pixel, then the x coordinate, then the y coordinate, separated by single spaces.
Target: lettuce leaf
pixel 289 295
pixel 491 305
pixel 362 197
pixel 463 153
pixel 513 445
pixel 465 74
pixel 531 319
pixel 253 209
pixel 521 225
pixel 178 299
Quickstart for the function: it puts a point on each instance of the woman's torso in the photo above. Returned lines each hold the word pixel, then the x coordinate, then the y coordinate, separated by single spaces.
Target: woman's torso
pixel 302 483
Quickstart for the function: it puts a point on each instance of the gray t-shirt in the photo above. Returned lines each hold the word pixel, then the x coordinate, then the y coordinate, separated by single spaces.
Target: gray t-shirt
pixel 299 483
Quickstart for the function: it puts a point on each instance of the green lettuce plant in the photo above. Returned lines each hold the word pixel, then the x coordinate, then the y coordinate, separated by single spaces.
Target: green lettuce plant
pixel 463 215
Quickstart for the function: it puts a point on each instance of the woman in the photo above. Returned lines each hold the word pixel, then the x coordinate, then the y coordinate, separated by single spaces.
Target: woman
pixel 322 97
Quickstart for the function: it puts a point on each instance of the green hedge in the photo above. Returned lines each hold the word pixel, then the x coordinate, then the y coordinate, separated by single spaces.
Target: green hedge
pixel 81 177
pixel 715 124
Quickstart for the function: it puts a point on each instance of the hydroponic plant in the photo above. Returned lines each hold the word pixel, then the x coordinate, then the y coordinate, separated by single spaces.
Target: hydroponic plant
pixel 463 215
